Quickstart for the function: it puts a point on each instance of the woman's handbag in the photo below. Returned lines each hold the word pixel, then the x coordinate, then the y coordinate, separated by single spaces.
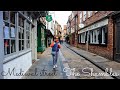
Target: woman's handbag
pixel 53 53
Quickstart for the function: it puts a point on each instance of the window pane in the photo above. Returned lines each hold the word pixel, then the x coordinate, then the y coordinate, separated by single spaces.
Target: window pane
pixel 84 12
pixel 6 32
pixel 19 45
pixel 27 35
pixel 6 46
pixel 22 32
pixel 27 26
pixel 12 31
pixel 22 44
pixel 103 35
pixel 28 43
pixel 12 17
pixel 6 24
pixel 13 46
pixel 83 38
pixel 21 22
pixel 19 31
pixel 6 15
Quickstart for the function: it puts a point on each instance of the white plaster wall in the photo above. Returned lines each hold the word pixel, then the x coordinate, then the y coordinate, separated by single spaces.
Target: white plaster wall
pixel 23 62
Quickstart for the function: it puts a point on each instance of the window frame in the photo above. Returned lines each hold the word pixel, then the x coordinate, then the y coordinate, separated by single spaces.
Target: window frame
pixel 82 37
pixel 98 30
pixel 12 50
pixel 17 53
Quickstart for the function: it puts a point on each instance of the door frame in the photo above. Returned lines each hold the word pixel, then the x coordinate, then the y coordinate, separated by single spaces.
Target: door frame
pixel 115 22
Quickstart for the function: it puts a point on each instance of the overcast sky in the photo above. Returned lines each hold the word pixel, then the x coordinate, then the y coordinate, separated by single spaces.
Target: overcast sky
pixel 61 16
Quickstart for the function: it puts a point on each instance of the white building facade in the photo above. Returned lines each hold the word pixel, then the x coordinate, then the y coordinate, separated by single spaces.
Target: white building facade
pixel 18 43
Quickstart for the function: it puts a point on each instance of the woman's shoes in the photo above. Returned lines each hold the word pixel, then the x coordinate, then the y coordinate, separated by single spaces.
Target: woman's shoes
pixel 54 66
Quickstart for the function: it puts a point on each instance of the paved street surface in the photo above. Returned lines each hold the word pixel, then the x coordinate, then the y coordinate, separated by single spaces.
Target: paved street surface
pixel 69 63
pixel 80 63
pixel 103 63
pixel 44 68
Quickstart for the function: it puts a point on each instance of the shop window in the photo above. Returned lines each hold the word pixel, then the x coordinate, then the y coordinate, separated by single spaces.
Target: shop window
pixel 99 36
pixel 94 36
pixel 82 37
pixel 103 35
pixel 9 32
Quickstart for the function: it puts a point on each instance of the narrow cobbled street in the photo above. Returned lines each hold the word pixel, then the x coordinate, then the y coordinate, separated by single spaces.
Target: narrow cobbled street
pixel 68 61
pixel 59 44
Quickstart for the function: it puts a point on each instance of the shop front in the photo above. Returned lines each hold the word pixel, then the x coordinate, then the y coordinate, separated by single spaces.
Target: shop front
pixel 15 42
pixel 41 37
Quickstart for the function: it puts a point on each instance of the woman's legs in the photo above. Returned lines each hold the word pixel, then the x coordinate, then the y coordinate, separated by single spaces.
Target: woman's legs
pixel 53 59
pixel 56 57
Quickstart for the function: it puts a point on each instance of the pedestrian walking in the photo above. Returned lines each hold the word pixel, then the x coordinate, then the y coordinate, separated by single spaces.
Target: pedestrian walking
pixel 55 51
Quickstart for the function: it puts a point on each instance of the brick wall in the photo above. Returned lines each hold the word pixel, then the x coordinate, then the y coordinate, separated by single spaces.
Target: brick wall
pixel 105 51
pixel 96 16
pixel 82 46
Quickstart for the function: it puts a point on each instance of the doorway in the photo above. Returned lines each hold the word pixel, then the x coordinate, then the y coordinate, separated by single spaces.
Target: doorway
pixel 117 39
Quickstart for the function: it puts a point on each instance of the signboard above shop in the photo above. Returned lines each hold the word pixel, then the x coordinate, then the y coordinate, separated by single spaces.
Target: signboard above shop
pixel 94 26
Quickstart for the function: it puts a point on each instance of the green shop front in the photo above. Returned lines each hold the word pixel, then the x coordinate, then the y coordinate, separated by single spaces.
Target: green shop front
pixel 41 37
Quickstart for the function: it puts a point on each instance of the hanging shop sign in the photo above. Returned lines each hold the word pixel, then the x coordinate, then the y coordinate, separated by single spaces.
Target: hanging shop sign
pixel 49 18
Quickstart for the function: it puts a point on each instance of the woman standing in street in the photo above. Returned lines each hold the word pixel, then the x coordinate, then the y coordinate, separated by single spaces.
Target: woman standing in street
pixel 55 51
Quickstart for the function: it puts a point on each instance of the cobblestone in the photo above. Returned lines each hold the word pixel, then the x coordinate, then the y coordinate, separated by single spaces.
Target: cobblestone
pixel 79 63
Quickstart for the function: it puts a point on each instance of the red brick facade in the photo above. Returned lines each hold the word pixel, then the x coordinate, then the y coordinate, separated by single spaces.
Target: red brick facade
pixel 105 51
